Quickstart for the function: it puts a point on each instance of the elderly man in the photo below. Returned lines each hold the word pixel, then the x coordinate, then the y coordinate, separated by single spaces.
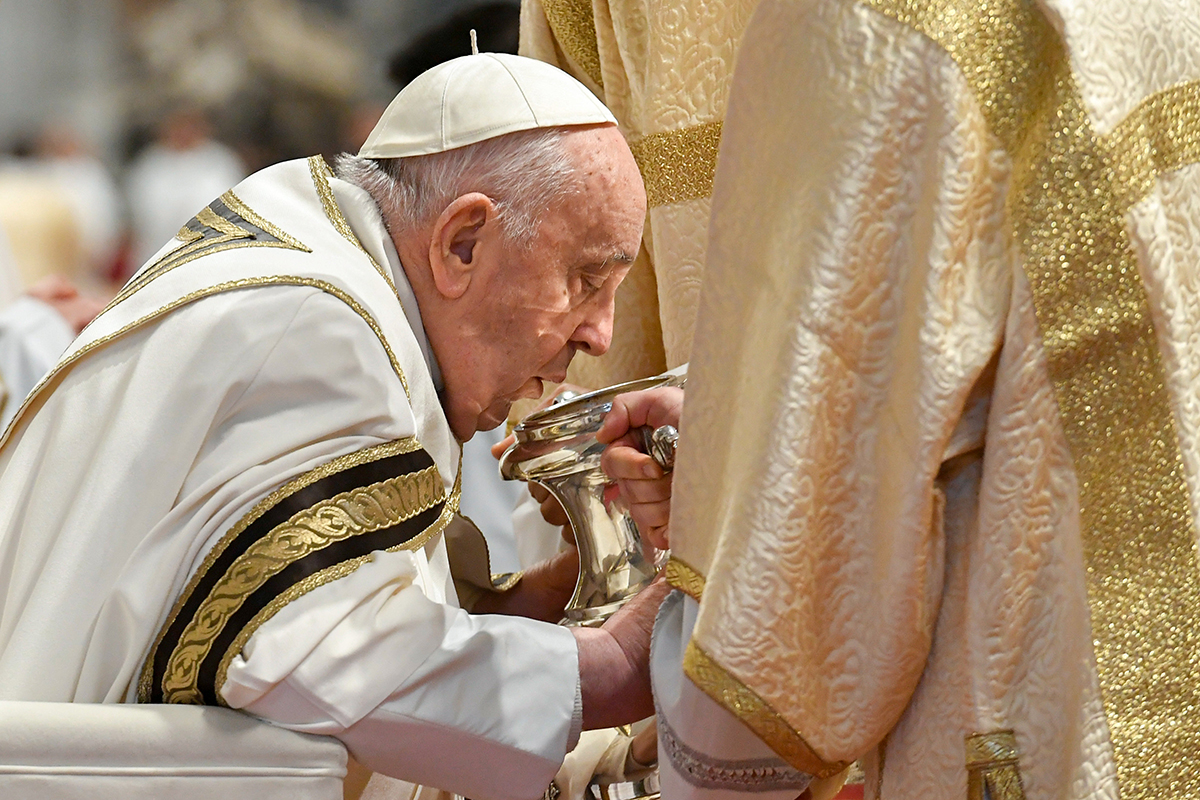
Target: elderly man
pixel 239 486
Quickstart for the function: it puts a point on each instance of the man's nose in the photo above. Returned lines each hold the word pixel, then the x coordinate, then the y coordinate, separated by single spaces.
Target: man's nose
pixel 594 334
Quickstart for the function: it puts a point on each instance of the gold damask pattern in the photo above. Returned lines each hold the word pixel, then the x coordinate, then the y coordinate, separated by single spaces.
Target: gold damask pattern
pixel 321 173
pixel 752 710
pixel 993 767
pixel 574 25
pixel 678 165
pixel 684 578
pixel 1070 193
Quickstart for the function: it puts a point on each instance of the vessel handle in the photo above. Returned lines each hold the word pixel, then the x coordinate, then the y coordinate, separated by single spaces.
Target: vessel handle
pixel 660 444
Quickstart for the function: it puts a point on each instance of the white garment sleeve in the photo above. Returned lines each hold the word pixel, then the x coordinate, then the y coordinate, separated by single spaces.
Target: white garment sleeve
pixel 32 337
pixel 483 706
pixel 721 758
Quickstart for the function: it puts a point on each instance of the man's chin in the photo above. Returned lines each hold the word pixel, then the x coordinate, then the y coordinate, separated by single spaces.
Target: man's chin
pixel 493 417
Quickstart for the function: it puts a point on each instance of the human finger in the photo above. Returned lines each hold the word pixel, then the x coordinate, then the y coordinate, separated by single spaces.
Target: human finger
pixel 657 536
pixel 644 747
pixel 654 407
pixel 499 447
pixel 645 491
pixel 53 287
pixel 624 462
pixel 553 512
pixel 651 514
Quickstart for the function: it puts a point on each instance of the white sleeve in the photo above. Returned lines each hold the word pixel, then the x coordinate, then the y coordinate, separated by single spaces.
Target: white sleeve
pixel 404 681
pixel 704 752
pixel 32 337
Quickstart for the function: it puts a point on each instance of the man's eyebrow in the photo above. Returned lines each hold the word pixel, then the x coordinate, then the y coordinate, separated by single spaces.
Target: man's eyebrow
pixel 619 257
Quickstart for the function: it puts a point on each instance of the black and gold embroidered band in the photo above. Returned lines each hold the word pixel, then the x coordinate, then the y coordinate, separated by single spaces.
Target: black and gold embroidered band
pixel 315 529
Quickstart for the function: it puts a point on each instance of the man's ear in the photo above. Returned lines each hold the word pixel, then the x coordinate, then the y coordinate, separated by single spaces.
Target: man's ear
pixel 454 247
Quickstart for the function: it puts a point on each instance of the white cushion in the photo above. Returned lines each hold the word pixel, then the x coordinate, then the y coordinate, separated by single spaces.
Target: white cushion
pixel 64 751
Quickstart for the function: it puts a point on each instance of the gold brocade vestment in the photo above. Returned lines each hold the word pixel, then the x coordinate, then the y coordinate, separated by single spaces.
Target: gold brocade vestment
pixel 939 472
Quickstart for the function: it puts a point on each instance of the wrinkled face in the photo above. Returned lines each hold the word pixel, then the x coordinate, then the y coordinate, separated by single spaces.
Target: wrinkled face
pixel 530 314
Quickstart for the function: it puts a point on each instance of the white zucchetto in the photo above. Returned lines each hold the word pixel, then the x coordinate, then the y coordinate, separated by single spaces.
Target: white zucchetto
pixel 473 98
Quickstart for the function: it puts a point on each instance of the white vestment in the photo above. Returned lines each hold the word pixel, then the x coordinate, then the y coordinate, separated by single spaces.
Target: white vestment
pixel 242 469
pixel 939 465
pixel 32 337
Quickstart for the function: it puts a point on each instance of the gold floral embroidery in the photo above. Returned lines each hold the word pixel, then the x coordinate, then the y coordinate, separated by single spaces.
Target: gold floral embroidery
pixel 574 25
pixel 327 575
pixel 684 578
pixel 678 165
pixel 345 515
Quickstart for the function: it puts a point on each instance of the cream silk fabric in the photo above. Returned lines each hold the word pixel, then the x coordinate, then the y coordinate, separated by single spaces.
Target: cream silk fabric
pixel 876 497
pixel 132 461
pixel 87 751
pixel 663 67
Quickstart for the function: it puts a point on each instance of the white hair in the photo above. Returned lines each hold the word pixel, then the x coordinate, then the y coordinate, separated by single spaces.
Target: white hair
pixel 523 173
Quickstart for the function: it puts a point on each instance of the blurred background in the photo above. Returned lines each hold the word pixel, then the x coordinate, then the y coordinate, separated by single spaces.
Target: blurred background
pixel 119 119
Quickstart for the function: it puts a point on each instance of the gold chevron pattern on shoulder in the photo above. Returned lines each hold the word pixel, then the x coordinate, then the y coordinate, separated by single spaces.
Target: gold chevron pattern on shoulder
pixel 224 224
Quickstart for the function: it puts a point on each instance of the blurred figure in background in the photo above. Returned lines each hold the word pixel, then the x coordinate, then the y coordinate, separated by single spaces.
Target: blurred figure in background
pixel 37 219
pixel 180 173
pixel 95 199
pixel 35 328
pixel 42 257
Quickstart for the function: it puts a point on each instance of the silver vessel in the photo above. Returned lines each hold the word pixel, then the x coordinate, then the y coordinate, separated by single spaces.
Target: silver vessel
pixel 557 448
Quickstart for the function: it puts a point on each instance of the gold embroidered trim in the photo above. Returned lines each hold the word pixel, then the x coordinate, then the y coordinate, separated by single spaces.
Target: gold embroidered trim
pixel 194 244
pixel 678 165
pixel 574 25
pixel 755 713
pixel 1070 194
pixel 339 518
pixel 993 767
pixel 328 575
pixel 244 283
pixel 503 581
pixel 684 578
pixel 408 444
pixel 321 173
pixel 187 235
